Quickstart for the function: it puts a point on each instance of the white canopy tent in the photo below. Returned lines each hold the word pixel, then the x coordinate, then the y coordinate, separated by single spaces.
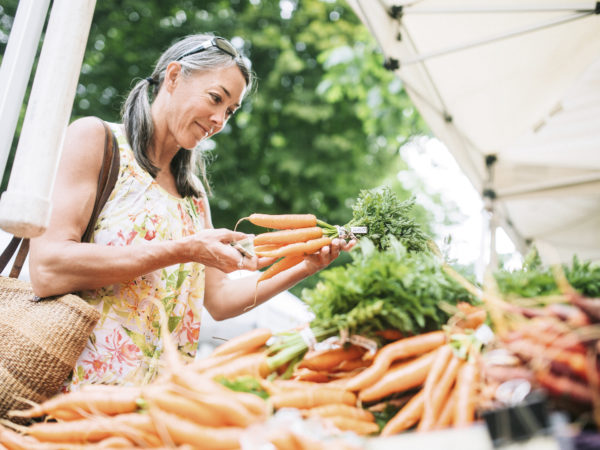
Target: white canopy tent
pixel 512 88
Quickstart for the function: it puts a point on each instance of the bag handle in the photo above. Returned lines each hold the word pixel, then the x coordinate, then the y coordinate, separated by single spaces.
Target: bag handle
pixel 109 172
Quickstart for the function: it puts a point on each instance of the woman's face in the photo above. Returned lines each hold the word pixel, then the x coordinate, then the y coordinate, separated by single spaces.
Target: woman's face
pixel 201 103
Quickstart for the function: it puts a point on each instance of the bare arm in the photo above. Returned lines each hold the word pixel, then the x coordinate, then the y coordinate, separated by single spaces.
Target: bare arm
pixel 60 263
pixel 225 298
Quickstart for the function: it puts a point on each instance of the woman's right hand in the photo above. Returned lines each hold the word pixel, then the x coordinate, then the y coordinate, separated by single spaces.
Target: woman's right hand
pixel 212 247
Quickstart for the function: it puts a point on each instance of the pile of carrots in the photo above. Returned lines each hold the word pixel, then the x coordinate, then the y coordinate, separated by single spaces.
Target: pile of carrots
pixel 297 236
pixel 189 403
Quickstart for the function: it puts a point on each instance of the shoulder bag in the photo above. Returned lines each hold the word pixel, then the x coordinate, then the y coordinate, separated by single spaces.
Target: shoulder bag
pixel 42 338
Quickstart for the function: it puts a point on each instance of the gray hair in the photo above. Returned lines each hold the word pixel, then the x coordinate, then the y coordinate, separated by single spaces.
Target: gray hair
pixel 137 119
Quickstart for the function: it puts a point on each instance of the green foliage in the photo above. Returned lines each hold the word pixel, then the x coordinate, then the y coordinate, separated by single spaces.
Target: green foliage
pixel 536 280
pixel 247 384
pixel 378 290
pixel 385 216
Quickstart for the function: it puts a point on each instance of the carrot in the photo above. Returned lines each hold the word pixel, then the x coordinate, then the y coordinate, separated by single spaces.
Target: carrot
pixel 282 221
pixel 92 429
pixel 401 377
pixel 248 342
pixel 404 348
pixel 183 431
pixel 209 362
pixel 341 410
pixel 288 236
pixel 266 247
pixel 351 365
pixel 360 427
pixel 251 364
pixel 306 374
pixel 298 248
pixel 178 404
pixel 281 265
pixel 310 398
pixel 328 359
pixel 447 412
pixel 408 415
pixel 466 385
pixel 390 335
pixel 107 400
pixel 115 442
pixel 443 357
pixel 16 441
pixel 441 388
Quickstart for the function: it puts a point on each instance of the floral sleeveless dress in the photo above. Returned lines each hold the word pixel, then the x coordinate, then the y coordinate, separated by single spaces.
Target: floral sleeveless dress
pixel 125 347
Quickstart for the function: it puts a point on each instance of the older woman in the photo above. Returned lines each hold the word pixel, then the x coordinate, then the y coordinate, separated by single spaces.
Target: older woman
pixel 154 239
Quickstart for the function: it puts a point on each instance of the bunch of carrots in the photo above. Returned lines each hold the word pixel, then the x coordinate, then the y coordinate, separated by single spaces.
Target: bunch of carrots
pixel 297 236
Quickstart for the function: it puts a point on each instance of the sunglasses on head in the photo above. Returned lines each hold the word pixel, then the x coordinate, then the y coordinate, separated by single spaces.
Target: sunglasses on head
pixel 218 42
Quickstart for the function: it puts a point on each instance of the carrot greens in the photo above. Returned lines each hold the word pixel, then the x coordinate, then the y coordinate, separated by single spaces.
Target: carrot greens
pixel 378 290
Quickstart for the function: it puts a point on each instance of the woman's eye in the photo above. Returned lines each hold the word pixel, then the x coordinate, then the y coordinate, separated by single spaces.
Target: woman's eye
pixel 216 98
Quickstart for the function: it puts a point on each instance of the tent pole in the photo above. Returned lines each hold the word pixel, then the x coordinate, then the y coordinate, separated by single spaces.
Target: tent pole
pixel 25 206
pixel 16 68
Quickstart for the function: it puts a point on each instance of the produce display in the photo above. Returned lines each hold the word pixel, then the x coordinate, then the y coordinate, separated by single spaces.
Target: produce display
pixel 400 342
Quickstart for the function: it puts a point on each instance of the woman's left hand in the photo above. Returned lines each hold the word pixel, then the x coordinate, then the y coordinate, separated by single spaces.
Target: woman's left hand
pixel 327 254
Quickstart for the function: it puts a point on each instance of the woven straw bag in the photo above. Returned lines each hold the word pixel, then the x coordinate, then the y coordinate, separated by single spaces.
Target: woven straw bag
pixel 41 339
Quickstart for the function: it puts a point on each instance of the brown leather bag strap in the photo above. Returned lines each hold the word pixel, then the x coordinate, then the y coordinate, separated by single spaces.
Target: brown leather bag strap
pixel 9 251
pixel 109 172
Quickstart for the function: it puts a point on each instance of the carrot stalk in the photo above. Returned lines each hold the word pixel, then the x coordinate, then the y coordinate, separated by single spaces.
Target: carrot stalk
pixel 288 236
pixel 328 359
pixel 283 221
pixel 404 376
pixel 281 265
pixel 298 248
pixel 408 415
pixel 404 348
pixel 466 386
pixel 248 342
pixel 441 388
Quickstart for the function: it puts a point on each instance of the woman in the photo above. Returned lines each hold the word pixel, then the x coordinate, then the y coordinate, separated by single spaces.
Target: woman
pixel 154 239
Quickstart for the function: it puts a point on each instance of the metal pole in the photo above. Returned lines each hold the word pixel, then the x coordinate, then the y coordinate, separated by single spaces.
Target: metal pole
pixel 583 7
pixel 25 206
pixel 16 68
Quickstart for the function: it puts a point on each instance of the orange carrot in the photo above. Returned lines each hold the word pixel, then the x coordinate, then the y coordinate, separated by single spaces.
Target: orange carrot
pixel 93 429
pixel 447 413
pixel 441 388
pixel 248 341
pixel 351 365
pixel 178 404
pixel 401 377
pixel 251 364
pixel 298 248
pixel 209 362
pixel 183 431
pixel 342 410
pixel 360 427
pixel 328 359
pixel 404 348
pixel 310 398
pixel 390 335
pixel 281 265
pixel 288 236
pixel 107 400
pixel 442 358
pixel 408 415
pixel 306 374
pixel 266 248
pixel 283 221
pixel 466 386
pixel 16 441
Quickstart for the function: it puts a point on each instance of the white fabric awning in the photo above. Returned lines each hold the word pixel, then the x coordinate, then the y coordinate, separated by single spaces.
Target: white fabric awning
pixel 512 87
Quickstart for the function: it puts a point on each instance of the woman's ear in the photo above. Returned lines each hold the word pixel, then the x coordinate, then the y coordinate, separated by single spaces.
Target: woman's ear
pixel 172 75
